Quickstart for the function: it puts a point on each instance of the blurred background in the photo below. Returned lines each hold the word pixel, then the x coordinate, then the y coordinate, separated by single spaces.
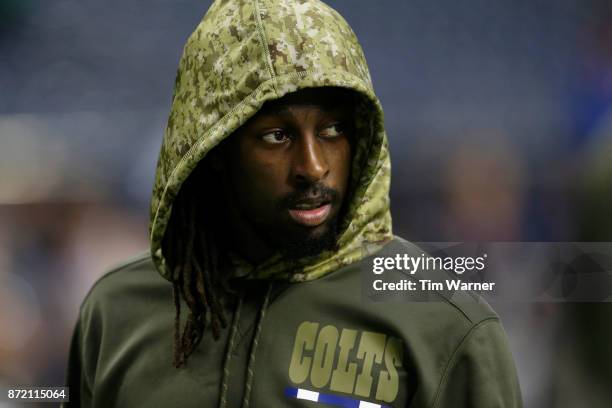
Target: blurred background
pixel 499 116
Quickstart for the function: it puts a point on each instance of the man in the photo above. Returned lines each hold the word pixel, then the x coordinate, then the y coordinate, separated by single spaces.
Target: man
pixel 271 199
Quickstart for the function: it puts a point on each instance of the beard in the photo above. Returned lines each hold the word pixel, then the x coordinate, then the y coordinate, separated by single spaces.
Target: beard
pixel 294 247
pixel 301 242
pixel 291 240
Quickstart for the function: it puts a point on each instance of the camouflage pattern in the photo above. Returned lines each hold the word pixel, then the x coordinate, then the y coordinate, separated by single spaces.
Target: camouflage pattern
pixel 243 53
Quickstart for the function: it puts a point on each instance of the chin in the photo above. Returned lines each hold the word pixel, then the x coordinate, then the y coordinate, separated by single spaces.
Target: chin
pixel 309 242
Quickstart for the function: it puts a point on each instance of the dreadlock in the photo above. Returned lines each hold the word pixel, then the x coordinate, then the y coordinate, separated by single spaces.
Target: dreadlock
pixel 193 259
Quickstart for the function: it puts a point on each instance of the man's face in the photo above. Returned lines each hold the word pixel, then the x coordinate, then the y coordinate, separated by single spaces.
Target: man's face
pixel 288 169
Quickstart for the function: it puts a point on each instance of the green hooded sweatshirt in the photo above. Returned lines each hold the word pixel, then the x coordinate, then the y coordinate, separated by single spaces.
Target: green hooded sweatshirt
pixel 302 335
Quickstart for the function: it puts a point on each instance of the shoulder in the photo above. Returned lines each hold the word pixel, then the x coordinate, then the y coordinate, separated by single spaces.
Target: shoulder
pixel 131 282
pixel 118 276
pixel 446 326
pixel 126 313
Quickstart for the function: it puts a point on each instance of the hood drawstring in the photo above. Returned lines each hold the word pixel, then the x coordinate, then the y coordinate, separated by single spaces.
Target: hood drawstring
pixel 249 380
pixel 230 350
pixel 228 353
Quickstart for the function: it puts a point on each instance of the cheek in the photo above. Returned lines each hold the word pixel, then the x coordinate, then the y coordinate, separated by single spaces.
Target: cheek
pixel 260 174
pixel 340 155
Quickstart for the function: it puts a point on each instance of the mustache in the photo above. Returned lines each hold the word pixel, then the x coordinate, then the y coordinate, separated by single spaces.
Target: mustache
pixel 313 194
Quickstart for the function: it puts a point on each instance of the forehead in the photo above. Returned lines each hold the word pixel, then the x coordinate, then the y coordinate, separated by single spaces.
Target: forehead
pixel 326 99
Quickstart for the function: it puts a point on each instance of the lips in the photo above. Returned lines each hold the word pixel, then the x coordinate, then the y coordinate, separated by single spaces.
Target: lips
pixel 310 217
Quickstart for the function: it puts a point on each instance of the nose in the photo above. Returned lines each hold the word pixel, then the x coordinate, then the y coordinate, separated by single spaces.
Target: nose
pixel 310 163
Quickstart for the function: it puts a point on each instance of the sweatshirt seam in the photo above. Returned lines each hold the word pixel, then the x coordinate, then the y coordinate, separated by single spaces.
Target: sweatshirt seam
pixel 460 310
pixel 263 40
pixel 454 355
pixel 86 377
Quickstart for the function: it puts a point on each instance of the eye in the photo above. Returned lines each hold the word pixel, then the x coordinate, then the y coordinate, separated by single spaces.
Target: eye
pixel 335 130
pixel 275 137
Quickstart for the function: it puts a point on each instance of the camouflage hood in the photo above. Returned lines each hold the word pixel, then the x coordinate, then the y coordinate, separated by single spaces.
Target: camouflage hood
pixel 247 52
